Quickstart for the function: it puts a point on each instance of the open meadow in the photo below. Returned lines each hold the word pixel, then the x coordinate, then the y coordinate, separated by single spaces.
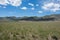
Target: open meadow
pixel 30 30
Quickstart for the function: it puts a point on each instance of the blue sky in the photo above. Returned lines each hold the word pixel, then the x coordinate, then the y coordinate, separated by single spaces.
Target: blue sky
pixel 29 7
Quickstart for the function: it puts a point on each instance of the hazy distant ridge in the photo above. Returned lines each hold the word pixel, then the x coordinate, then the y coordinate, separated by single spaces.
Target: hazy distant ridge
pixel 54 17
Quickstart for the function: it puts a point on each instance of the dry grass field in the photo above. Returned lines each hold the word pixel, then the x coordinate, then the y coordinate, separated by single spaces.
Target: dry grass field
pixel 28 30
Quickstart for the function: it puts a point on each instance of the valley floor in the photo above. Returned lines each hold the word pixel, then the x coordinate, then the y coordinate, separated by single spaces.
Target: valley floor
pixel 28 30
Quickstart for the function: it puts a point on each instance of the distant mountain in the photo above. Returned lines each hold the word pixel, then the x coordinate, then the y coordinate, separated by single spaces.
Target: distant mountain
pixel 56 16
pixel 53 17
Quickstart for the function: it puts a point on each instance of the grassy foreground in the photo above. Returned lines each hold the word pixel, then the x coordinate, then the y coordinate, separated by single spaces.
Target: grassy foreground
pixel 28 30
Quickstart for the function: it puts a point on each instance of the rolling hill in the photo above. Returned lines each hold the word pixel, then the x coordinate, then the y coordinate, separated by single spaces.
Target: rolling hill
pixel 53 17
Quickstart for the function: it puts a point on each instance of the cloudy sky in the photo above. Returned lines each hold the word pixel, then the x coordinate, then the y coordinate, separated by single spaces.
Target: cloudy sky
pixel 29 7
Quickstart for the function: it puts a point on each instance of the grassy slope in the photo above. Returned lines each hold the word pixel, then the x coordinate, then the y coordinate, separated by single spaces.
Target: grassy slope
pixel 25 30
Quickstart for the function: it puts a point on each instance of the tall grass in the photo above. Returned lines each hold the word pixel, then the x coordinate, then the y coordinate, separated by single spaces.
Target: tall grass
pixel 28 30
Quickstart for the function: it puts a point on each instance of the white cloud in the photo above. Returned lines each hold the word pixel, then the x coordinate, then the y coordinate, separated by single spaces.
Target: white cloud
pixel 4 7
pixel 3 2
pixel 40 12
pixel 37 4
pixel 0 6
pixel 11 2
pixel 33 8
pixel 30 4
pixel 15 2
pixel 51 6
pixel 24 8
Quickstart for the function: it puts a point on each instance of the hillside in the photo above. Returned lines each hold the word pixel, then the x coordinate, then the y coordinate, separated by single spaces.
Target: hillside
pixel 53 17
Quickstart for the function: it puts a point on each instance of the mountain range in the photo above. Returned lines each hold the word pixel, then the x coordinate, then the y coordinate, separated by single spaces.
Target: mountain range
pixel 53 17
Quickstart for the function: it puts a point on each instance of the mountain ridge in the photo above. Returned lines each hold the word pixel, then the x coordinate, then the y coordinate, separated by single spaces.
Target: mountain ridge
pixel 53 17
